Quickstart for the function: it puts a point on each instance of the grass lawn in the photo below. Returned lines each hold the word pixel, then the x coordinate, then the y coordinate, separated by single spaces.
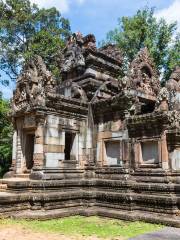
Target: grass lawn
pixel 85 226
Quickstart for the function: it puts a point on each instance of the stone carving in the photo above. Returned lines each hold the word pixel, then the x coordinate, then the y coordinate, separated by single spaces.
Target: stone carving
pixel 89 42
pixel 124 83
pixel 78 92
pixel 173 86
pixel 142 74
pixel 29 121
pixel 162 100
pixel 174 119
pixel 32 85
pixel 102 91
pixel 74 51
pixel 174 82
pixel 135 108
pixel 112 51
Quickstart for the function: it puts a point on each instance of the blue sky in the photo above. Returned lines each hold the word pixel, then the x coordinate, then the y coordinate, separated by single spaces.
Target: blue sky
pixel 100 16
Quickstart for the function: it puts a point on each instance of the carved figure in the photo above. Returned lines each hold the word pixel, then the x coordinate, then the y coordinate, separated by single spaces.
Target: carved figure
pixel 78 92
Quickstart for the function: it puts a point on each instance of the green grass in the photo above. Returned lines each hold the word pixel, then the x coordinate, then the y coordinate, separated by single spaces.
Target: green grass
pixel 86 226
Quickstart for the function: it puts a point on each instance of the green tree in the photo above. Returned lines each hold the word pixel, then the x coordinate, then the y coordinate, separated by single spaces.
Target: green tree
pixel 143 29
pixel 173 58
pixel 5 136
pixel 26 30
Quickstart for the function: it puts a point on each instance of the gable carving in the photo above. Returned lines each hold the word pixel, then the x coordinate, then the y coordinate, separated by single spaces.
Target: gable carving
pixel 32 84
pixel 143 75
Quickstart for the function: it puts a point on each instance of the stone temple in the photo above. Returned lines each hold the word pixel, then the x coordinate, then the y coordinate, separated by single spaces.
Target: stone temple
pixel 94 143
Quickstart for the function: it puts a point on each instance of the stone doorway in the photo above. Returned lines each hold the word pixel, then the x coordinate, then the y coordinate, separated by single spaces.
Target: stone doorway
pixel 69 141
pixel 29 150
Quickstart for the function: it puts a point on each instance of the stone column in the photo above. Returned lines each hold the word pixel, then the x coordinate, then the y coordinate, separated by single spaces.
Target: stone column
pixel 12 169
pixel 14 150
pixel 38 156
pixel 137 155
pixel 19 154
pixel 89 147
pixel 164 153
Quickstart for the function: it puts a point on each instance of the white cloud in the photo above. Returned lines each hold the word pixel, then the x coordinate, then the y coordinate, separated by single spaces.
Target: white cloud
pixel 62 5
pixel 171 13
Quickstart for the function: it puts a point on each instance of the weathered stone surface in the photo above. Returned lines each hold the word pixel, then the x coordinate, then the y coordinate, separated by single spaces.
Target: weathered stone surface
pixel 95 144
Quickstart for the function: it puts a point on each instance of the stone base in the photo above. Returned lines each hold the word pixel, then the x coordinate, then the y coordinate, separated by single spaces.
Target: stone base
pixel 9 174
pixel 57 174
pixel 102 212
pixel 110 193
pixel 36 175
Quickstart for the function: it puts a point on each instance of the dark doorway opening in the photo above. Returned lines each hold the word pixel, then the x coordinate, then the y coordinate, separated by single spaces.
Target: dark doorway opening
pixel 29 151
pixel 69 139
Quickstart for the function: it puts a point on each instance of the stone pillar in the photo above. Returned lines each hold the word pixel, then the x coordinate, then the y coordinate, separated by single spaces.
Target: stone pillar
pixel 82 144
pixel 19 153
pixel 38 156
pixel 54 142
pixel 137 155
pixel 14 150
pixel 12 169
pixel 164 153
pixel 89 147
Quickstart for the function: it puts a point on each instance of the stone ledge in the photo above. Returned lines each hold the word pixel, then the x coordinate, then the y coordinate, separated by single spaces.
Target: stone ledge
pixel 102 212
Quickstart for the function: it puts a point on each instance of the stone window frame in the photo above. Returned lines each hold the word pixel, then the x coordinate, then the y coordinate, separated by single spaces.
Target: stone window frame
pixel 138 152
pixel 115 139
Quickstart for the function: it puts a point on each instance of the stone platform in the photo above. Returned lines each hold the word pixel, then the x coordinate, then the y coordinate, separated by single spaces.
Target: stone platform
pixel 123 198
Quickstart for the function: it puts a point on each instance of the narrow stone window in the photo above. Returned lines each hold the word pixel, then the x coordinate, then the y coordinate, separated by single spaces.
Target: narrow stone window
pixel 112 149
pixel 150 152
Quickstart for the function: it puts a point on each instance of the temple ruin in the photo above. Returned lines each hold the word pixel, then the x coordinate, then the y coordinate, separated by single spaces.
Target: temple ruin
pixel 94 143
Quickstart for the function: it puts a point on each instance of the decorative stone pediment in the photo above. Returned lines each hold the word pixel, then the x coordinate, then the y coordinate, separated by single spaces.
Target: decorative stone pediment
pixel 32 84
pixel 143 75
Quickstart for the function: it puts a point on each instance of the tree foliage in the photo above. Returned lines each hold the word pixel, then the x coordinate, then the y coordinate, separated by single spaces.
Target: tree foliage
pixel 26 30
pixel 5 136
pixel 173 58
pixel 143 29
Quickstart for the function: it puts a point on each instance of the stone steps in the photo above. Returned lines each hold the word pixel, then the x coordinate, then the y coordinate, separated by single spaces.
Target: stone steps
pixel 126 215
pixel 3 187
pixel 22 175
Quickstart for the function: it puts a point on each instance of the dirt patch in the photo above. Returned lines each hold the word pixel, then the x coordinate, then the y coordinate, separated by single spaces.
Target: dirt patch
pixel 20 233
